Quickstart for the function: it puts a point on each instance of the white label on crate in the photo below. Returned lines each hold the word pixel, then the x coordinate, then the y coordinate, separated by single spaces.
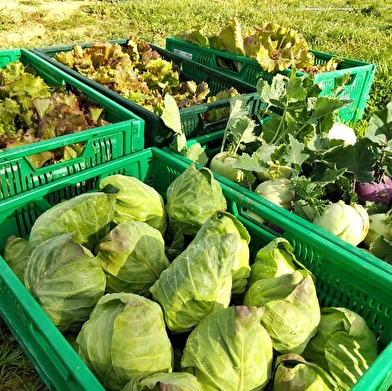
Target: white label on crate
pixel 183 54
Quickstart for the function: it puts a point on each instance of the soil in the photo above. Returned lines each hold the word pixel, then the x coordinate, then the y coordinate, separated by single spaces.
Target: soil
pixel 19 30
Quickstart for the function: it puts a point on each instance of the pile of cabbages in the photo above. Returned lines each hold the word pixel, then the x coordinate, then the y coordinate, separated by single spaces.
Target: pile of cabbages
pixel 169 295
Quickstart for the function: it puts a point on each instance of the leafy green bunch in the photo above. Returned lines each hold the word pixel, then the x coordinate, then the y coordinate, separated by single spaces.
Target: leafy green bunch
pixel 136 71
pixel 276 48
pixel 31 110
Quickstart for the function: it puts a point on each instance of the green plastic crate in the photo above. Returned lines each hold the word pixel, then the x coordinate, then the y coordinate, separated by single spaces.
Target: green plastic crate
pixel 124 135
pixel 357 90
pixel 157 134
pixel 342 279
pixel 211 144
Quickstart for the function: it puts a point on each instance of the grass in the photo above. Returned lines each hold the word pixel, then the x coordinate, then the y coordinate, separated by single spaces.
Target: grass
pixel 16 371
pixel 355 29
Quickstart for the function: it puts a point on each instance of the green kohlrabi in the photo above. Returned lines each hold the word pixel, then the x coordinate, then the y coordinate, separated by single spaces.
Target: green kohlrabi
pixel 133 257
pixel 125 338
pixel 279 191
pixel 340 131
pixel 350 222
pixel 230 350
pixel 239 131
pixel 292 310
pixel 66 280
pixel 379 224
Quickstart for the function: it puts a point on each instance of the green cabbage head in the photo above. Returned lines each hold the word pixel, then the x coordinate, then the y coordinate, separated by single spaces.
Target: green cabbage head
pixel 192 198
pixel 223 222
pixel 273 260
pixel 88 215
pixel 344 346
pixel 292 310
pixel 125 337
pixel 230 350
pixel 66 280
pixel 133 257
pixel 293 373
pixel 136 200
pixel 172 381
pixel 197 282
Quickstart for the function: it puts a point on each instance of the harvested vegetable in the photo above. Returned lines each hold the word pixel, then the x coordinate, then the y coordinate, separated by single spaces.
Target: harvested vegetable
pixel 136 201
pixel 132 256
pixel 74 216
pixel 172 381
pixel 274 259
pixel 16 254
pixel 233 343
pixel 348 222
pixel 197 282
pixel 293 373
pixel 280 191
pixel 340 131
pixel 226 223
pixel 136 72
pixel 31 111
pixel 379 224
pixel 66 280
pixel 380 191
pixel 344 346
pixel 192 198
pixel 239 130
pixel 120 338
pixel 274 47
pixel 292 310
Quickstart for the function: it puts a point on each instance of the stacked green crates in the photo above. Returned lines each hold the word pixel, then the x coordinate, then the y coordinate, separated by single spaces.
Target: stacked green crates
pixel 342 279
pixel 123 135
pixel 357 89
pixel 192 118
